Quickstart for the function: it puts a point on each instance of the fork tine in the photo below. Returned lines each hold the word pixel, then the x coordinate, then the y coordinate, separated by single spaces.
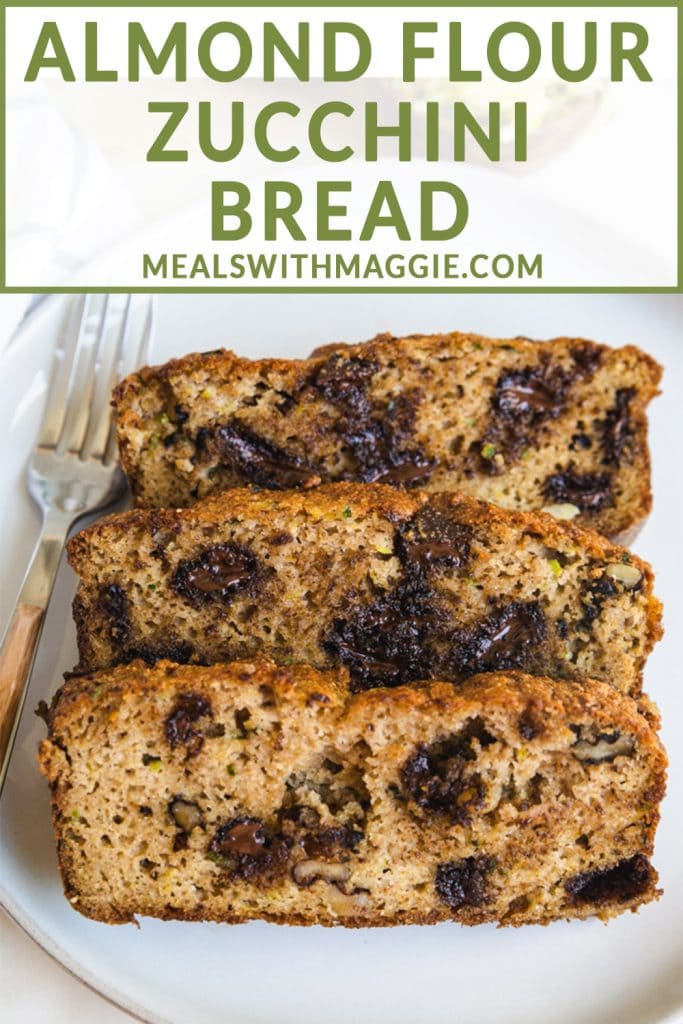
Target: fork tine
pixel 61 377
pixel 136 359
pixel 100 412
pixel 82 386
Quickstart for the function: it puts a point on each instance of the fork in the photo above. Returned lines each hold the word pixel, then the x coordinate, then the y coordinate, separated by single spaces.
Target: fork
pixel 73 472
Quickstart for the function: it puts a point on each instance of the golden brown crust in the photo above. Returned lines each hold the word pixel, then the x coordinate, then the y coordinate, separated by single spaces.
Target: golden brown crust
pixel 99 724
pixel 444 431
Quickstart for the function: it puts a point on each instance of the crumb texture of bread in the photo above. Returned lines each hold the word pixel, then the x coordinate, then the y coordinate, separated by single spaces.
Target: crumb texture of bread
pixel 394 585
pixel 243 791
pixel 559 424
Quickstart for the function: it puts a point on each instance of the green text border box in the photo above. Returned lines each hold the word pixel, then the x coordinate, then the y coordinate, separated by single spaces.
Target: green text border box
pixel 326 289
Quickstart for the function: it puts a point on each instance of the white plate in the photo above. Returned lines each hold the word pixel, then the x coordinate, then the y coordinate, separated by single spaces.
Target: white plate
pixel 630 970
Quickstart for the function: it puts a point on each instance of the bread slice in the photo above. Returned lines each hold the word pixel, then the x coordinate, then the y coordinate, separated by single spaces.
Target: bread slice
pixel 250 791
pixel 524 424
pixel 395 585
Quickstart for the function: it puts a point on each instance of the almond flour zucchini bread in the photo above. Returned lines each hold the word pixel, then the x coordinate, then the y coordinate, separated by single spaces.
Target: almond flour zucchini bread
pixel 249 791
pixel 395 585
pixel 523 424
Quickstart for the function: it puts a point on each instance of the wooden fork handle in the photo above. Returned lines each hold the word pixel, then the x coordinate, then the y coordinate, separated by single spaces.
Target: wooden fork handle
pixel 16 658
pixel 23 633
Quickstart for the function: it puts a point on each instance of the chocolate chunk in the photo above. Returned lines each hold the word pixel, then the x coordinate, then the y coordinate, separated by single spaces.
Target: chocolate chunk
pixel 625 881
pixel 523 400
pixel 113 601
pixel 594 593
pixel 587 357
pixel 330 840
pixel 616 429
pixel 507 638
pixel 580 440
pixel 531 395
pixel 178 651
pixel 180 841
pixel 434 537
pixel 246 848
pixel 462 883
pixel 259 461
pixel 377 438
pixel 436 777
pixel 218 573
pixel 344 382
pixel 242 716
pixel 588 491
pixel 302 816
pixel 390 640
pixel 180 725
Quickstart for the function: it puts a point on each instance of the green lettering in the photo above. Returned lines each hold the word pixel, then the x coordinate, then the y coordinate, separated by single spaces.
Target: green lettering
pixel 622 54
pixel 590 52
pixel 385 193
pixel 152 269
pixel 93 73
pixel 402 131
pixel 428 190
pixel 49 36
pixel 412 52
pixel 273 42
pixel 326 210
pixel 315 131
pixel 493 51
pixel 465 121
pixel 331 31
pixel 139 44
pixel 220 210
pixel 261 131
pixel 455 69
pixel 204 51
pixel 157 152
pixel 273 213
pixel 236 137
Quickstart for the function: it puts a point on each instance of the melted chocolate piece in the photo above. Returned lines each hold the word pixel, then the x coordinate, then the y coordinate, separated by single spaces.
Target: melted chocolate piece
pixel 532 395
pixel 246 848
pixel 180 841
pixel 616 428
pixel 525 399
pixel 587 356
pixel 259 461
pixel 625 881
pixel 180 726
pixel 178 651
pixel 218 573
pixel 507 638
pixel 594 593
pixel 434 537
pixel 462 883
pixel 377 439
pixel 330 840
pixel 388 641
pixel 588 491
pixel 435 777
pixel 113 601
